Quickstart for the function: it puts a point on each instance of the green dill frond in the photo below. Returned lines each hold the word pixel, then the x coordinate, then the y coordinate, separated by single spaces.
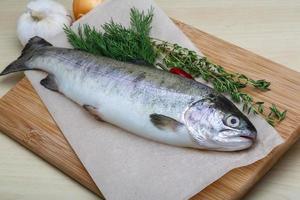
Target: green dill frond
pixel 141 22
pixel 131 44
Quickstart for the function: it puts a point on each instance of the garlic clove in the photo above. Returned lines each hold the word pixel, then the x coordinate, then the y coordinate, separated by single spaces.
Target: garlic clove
pixel 47 7
pixel 37 15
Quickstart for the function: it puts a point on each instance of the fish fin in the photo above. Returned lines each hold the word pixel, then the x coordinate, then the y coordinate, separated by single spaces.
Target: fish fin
pixel 50 83
pixel 164 122
pixel 33 44
pixel 20 64
pixel 16 66
pixel 93 111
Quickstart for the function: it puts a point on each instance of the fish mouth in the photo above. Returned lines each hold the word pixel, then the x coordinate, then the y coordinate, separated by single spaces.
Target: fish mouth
pixel 238 140
pixel 245 135
pixel 235 143
pixel 252 138
pixel 230 140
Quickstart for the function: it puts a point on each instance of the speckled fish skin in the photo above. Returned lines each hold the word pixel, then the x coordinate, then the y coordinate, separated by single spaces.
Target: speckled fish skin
pixel 143 100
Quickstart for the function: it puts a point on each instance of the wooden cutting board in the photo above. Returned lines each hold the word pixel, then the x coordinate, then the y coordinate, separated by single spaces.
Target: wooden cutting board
pixel 24 118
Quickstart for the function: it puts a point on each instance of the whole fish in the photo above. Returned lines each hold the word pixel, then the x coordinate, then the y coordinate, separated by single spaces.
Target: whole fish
pixel 148 102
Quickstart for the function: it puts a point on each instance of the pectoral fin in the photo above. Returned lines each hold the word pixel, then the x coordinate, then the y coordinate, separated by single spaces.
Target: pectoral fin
pixel 93 111
pixel 164 122
pixel 50 83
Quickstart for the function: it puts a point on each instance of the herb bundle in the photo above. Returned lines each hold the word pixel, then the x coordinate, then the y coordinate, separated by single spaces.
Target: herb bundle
pixel 125 44
pixel 134 44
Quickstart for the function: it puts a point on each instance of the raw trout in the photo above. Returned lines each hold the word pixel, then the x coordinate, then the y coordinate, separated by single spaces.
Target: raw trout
pixel 143 100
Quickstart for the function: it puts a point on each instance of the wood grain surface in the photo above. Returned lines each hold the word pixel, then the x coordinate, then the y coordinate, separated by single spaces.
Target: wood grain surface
pixel 25 119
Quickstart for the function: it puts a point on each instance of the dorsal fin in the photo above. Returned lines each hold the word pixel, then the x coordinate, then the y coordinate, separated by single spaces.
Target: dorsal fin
pixel 33 44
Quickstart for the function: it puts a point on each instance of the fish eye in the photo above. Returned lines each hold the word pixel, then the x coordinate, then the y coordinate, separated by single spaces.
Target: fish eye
pixel 232 121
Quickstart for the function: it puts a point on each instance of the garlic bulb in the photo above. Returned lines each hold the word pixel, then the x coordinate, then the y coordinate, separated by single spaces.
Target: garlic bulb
pixel 43 18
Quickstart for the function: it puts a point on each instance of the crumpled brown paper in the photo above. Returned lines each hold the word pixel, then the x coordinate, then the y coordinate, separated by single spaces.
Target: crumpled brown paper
pixel 125 166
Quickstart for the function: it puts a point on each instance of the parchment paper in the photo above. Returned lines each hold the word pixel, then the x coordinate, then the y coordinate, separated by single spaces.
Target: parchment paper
pixel 125 166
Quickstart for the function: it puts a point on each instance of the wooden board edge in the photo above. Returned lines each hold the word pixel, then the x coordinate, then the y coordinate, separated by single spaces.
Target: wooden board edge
pixel 188 27
pixel 25 138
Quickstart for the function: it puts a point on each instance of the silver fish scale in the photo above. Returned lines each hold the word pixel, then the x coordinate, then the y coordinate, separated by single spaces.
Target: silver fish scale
pixel 156 90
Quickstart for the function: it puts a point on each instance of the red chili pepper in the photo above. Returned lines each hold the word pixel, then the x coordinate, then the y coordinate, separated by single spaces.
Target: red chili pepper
pixel 180 72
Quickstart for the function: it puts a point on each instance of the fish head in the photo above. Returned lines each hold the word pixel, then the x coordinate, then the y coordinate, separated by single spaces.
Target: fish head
pixel 216 123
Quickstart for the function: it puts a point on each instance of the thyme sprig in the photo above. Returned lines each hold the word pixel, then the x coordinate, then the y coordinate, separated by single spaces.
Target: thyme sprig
pixel 134 44
pixel 188 60
pixel 222 80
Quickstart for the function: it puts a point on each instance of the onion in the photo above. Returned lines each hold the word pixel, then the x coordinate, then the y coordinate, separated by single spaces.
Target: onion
pixel 81 7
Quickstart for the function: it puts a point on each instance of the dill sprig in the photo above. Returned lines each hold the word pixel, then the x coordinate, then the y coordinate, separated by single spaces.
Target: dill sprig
pixel 134 44
pixel 131 44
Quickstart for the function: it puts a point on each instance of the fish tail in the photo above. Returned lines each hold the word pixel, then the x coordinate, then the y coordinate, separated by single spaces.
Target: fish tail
pixel 20 64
